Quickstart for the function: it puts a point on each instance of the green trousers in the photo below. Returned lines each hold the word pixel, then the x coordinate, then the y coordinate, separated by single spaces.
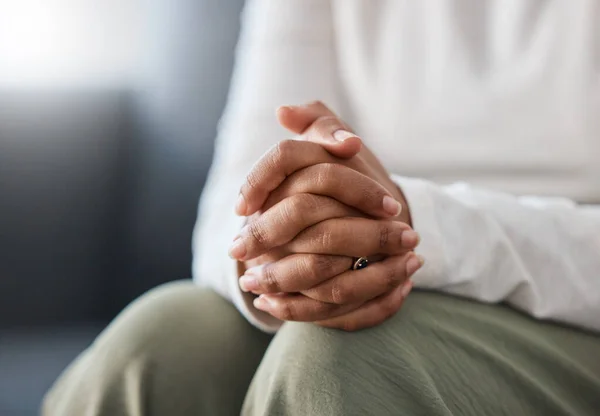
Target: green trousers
pixel 183 350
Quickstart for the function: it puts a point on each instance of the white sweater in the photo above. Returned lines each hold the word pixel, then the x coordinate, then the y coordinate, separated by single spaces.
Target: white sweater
pixel 485 103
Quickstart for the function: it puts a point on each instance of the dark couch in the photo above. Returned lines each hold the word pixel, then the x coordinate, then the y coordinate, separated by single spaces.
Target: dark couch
pixel 98 193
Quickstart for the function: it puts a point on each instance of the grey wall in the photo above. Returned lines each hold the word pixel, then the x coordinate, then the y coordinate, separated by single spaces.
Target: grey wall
pixel 60 201
pixel 189 59
pixel 99 188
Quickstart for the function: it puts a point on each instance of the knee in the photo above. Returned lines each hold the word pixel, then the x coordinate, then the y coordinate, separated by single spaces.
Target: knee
pixel 318 349
pixel 166 328
pixel 166 350
pixel 307 351
pixel 366 372
pixel 155 322
pixel 403 338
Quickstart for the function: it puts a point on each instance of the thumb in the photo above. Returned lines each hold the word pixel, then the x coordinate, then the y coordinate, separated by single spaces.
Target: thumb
pixel 319 124
pixel 298 118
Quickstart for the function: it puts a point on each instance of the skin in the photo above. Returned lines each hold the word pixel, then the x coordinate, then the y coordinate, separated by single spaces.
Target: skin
pixel 312 205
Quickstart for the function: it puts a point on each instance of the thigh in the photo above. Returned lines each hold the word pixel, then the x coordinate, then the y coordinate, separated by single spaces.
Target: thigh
pixel 178 350
pixel 440 355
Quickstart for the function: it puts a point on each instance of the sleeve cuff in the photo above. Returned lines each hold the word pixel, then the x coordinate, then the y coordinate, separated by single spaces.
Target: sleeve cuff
pixel 419 196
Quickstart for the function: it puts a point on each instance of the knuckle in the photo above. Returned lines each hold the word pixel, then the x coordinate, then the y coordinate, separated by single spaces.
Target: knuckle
pixel 391 278
pixel 326 174
pixel 307 202
pixel 349 325
pixel 259 233
pixel 284 149
pixel 326 239
pixel 280 154
pixel 339 293
pixel 253 179
pixel 323 309
pixel 322 265
pixel 311 266
pixel 287 311
pixel 394 240
pixel 319 238
pixel 301 207
pixel 367 195
pixel 384 235
pixel 271 281
pixel 289 210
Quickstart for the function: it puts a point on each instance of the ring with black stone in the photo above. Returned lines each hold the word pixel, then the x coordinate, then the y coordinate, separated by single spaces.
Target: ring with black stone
pixel 360 263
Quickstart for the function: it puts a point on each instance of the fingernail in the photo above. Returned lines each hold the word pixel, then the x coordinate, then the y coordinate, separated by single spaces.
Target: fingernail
pixel 238 249
pixel 262 303
pixel 410 239
pixel 406 288
pixel 413 264
pixel 341 135
pixel 248 283
pixel 288 107
pixel 240 206
pixel 391 206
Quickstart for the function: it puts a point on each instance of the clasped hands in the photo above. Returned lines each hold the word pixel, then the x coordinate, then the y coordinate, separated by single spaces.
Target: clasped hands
pixel 314 205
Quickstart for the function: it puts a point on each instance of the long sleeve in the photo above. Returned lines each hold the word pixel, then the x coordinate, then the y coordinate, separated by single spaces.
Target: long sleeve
pixel 280 60
pixel 541 255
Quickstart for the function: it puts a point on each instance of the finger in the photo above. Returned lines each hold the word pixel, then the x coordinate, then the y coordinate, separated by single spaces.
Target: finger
pixel 358 286
pixel 335 136
pixel 282 222
pixel 283 159
pixel 342 183
pixel 298 118
pixel 371 313
pixel 355 237
pixel 319 124
pixel 297 307
pixel 293 273
pixel 306 120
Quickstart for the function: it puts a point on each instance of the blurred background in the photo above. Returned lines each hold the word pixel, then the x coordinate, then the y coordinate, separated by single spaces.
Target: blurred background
pixel 108 112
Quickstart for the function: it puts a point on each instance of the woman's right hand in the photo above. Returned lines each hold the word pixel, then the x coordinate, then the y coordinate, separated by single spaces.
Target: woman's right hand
pixel 302 242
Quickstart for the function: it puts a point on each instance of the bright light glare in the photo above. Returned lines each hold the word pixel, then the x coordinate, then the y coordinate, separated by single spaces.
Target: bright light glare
pixel 68 41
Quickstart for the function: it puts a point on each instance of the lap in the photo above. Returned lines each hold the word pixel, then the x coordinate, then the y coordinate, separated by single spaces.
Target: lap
pixel 181 349
pixel 439 355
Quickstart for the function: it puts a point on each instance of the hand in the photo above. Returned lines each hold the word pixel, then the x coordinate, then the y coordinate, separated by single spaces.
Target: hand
pixel 318 259
pixel 326 286
pixel 315 123
pixel 312 287
pixel 329 289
